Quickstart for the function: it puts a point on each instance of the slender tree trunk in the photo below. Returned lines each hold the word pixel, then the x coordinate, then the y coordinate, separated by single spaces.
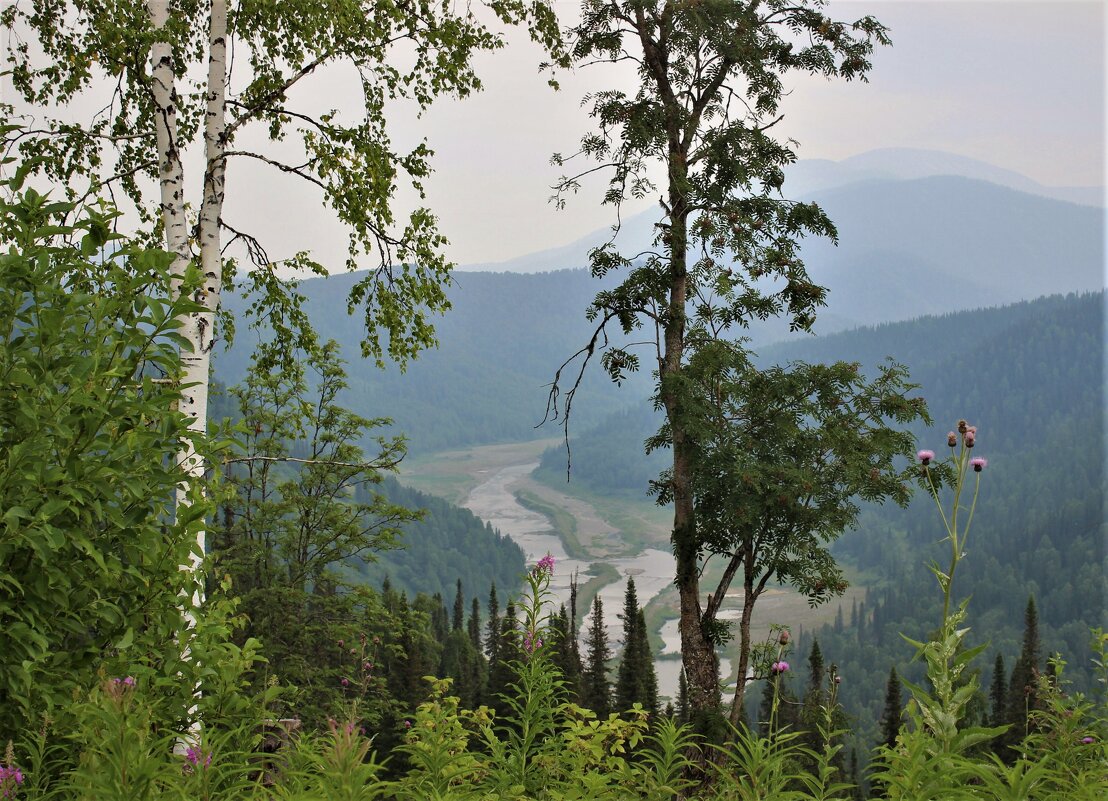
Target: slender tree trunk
pixel 198 327
pixel 697 654
pixel 744 650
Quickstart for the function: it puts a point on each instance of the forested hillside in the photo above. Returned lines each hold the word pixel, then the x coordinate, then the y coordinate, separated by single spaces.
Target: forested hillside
pixel 1030 376
pixel 907 248
pixel 448 544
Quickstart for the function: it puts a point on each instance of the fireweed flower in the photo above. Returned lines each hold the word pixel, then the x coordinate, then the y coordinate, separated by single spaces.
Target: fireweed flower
pixel 196 758
pixel 925 457
pixel 545 565
pixel 10 778
pixel 531 643
pixel 978 463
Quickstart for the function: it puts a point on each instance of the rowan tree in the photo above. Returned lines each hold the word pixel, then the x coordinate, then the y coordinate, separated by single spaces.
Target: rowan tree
pixel 778 461
pixel 710 78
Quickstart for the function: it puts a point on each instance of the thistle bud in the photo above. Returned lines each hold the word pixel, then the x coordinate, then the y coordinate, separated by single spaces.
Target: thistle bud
pixel 783 639
pixel 962 425
pixel 951 440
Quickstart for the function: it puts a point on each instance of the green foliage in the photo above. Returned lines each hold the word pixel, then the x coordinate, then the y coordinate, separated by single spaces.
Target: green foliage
pixel 89 545
pixel 401 51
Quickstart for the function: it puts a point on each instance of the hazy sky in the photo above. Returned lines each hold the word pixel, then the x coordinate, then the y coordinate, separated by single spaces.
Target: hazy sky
pixel 1018 84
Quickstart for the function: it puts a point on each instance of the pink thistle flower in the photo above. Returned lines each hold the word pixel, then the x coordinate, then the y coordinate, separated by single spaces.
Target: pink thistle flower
pixel 779 667
pixel 925 457
pixel 345 682
pixel 1088 740
pixel 407 724
pixel 978 463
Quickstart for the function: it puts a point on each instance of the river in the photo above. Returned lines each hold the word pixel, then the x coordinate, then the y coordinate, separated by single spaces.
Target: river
pixel 494 501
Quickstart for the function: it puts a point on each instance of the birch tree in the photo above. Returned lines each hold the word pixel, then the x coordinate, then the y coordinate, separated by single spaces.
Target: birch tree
pixel 163 67
pixel 710 78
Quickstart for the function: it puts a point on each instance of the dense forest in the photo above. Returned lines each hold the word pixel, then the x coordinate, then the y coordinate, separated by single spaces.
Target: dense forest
pixel 1031 377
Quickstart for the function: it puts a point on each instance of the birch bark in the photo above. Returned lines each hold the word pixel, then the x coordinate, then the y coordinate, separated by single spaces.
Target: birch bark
pixel 197 328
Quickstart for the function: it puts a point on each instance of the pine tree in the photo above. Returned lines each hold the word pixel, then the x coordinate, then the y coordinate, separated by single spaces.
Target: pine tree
pixel 458 618
pixel 890 718
pixel 596 690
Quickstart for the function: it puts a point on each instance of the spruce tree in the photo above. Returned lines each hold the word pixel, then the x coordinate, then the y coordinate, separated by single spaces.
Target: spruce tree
pixel 501 673
pixel 890 718
pixel 473 625
pixel 648 676
pixel 998 692
pixel 458 618
pixel 596 691
pixel 566 657
pixel 629 676
pixel 492 636
pixel 1023 689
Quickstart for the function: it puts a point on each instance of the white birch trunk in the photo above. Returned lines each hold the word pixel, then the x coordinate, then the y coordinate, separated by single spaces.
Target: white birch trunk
pixel 197 328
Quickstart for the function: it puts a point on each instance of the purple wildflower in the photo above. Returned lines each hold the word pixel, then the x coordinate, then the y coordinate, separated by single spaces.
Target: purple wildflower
pixel 926 456
pixel 545 565
pixel 978 463
pixel 779 667
pixel 345 682
pixel 196 758
pixel 531 642
pixel 407 724
pixel 1088 740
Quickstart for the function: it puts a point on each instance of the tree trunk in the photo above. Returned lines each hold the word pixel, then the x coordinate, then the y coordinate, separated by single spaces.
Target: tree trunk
pixel 197 327
pixel 697 654
pixel 749 598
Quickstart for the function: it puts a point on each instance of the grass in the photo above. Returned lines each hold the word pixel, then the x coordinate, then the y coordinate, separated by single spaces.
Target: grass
pixel 563 522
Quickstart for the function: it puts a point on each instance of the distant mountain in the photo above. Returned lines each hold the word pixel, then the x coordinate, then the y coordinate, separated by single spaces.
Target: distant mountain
pixel 907 247
pixel 803 181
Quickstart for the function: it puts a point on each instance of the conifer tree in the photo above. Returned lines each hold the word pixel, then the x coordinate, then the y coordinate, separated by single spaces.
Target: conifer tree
pixel 998 692
pixel 458 617
pixel 473 625
pixel 566 657
pixel 629 688
pixel 856 791
pixel 648 676
pixel 890 718
pixel 492 636
pixel 596 690
pixel 501 673
pixel 1023 690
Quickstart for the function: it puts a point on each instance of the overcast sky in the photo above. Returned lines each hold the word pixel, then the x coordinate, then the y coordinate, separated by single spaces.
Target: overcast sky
pixel 1018 84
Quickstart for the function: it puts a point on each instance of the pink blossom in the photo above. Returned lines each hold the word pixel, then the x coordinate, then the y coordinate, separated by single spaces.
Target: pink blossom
pixel 545 565
pixel 978 463
pixel 970 437
pixel 779 667
pixel 926 456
